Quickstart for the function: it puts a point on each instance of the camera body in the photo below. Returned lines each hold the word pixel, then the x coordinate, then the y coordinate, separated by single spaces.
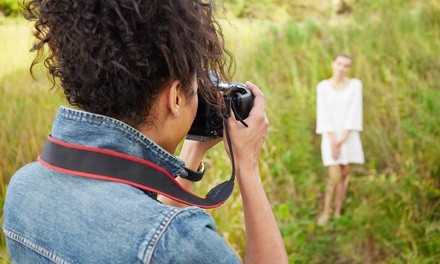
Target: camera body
pixel 208 123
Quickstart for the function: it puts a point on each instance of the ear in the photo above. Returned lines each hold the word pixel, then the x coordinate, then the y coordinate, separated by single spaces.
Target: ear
pixel 175 97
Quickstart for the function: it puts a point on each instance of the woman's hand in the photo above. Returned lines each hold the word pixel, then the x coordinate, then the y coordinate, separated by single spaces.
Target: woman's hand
pixel 248 141
pixel 336 144
pixel 264 243
pixel 192 153
pixel 336 150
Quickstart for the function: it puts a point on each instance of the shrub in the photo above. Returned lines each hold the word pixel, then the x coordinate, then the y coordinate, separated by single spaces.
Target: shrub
pixel 9 7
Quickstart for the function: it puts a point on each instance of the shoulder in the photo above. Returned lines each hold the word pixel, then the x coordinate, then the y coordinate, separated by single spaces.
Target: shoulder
pixel 356 83
pixel 322 85
pixel 193 216
pixel 193 238
pixel 192 224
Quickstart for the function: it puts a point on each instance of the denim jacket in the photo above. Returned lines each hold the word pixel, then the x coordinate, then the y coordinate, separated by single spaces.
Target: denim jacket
pixel 52 217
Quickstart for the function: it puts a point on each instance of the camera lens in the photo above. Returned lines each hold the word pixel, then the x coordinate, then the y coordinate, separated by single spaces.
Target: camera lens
pixel 215 121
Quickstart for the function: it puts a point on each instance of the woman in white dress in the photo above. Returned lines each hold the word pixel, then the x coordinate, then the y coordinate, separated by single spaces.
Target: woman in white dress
pixel 339 121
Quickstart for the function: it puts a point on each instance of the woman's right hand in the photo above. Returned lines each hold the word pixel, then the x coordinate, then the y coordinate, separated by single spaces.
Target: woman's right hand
pixel 264 243
pixel 247 142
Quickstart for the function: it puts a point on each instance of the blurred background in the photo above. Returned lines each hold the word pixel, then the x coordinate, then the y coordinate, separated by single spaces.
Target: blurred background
pixel 392 210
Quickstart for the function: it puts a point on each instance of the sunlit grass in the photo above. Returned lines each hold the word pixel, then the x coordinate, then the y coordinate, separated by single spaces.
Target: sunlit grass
pixel 27 107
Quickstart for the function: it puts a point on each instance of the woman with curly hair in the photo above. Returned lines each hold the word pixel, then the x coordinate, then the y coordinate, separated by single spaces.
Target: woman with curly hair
pixel 130 69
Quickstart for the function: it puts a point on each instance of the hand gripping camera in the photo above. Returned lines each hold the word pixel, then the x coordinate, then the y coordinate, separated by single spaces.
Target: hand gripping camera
pixel 208 123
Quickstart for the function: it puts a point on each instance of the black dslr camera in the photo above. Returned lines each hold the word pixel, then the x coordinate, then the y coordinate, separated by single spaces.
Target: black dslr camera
pixel 208 123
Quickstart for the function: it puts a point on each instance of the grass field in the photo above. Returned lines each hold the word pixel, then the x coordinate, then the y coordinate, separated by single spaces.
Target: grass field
pixel 392 212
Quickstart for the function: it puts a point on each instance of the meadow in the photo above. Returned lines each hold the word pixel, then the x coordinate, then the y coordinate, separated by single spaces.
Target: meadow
pixel 392 210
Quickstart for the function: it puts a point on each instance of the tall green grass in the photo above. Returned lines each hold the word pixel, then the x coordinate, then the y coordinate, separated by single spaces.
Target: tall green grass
pixel 27 107
pixel 392 209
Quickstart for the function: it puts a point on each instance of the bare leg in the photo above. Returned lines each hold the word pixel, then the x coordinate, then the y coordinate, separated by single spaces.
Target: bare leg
pixel 333 182
pixel 341 189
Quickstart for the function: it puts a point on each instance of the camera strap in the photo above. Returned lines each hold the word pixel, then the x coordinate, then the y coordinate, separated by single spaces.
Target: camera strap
pixel 102 164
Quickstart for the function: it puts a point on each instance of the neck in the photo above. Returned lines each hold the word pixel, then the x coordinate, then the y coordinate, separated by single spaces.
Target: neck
pixel 339 83
pixel 160 136
pixel 339 79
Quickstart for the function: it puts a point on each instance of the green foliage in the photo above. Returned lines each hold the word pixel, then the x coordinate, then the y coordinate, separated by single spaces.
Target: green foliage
pixel 9 7
pixel 392 207
pixel 393 203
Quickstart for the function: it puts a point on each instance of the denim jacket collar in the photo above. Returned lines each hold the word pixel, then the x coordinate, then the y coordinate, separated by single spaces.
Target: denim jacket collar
pixel 85 128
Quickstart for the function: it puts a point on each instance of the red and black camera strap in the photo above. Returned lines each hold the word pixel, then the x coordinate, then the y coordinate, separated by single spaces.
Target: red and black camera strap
pixel 113 166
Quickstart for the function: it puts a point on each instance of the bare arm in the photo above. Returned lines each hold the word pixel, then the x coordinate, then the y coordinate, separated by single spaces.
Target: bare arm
pixel 264 243
pixel 192 153
pixel 336 143
pixel 343 137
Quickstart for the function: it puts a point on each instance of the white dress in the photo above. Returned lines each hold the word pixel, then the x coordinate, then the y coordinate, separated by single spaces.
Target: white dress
pixel 339 110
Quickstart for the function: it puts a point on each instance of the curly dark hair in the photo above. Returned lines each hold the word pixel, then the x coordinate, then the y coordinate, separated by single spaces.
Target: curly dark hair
pixel 113 57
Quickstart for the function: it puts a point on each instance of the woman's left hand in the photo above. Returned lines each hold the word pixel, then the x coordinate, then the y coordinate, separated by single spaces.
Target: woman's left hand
pixel 192 153
pixel 336 150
